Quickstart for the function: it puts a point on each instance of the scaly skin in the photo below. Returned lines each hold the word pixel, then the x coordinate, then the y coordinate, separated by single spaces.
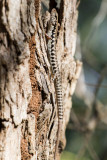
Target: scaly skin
pixel 52 33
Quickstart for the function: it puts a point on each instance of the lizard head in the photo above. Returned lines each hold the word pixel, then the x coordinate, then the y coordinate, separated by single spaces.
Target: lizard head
pixel 54 16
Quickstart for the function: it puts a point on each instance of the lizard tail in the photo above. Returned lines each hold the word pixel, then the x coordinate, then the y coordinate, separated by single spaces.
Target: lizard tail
pixel 60 112
pixel 57 140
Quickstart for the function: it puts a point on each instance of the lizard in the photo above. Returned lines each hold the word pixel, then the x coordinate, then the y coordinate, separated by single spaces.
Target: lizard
pixel 52 34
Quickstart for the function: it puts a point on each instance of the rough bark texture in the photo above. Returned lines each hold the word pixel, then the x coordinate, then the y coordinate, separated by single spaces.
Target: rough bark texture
pixel 28 119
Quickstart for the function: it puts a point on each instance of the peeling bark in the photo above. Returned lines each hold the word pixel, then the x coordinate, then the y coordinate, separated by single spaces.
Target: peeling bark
pixel 28 119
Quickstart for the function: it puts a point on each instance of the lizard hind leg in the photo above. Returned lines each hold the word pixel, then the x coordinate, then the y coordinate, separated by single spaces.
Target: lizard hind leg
pixel 54 76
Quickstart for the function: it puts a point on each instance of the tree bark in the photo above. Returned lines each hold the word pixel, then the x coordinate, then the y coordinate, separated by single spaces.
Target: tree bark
pixel 28 119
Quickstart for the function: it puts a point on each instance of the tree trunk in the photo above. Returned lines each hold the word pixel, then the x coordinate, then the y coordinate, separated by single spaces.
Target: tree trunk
pixel 28 119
